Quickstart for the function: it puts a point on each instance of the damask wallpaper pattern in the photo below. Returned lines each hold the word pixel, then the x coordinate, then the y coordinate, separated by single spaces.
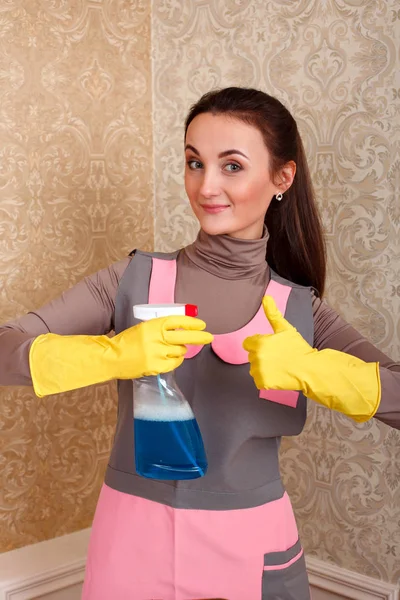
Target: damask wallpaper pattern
pixel 335 64
pixel 75 195
pixel 77 127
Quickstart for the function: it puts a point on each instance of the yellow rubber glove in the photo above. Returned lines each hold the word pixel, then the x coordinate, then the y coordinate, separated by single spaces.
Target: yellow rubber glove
pixel 59 363
pixel 285 361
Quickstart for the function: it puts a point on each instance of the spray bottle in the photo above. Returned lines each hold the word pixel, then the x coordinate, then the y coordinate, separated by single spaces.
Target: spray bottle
pixel 168 442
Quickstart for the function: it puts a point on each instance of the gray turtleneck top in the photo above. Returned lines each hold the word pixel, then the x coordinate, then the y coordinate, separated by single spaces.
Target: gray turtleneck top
pixel 226 277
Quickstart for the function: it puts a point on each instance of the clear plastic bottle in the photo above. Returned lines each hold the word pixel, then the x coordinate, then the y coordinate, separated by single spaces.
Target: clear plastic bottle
pixel 168 442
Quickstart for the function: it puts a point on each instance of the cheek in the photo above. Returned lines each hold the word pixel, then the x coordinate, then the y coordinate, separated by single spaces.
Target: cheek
pixel 192 194
pixel 254 196
pixel 190 186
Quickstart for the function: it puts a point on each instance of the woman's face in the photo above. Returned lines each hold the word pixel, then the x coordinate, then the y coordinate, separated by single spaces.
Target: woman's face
pixel 227 176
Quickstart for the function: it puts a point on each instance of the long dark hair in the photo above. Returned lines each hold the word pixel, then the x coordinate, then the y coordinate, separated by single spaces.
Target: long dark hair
pixel 296 248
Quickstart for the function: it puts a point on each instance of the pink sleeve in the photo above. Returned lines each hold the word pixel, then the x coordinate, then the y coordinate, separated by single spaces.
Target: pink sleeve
pixel 86 308
pixel 331 331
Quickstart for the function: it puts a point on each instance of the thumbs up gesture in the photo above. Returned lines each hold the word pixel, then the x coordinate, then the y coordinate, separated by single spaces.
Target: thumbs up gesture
pixel 276 359
pixel 285 361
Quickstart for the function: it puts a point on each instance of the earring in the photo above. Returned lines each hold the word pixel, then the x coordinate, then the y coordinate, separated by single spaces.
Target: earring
pixel 279 196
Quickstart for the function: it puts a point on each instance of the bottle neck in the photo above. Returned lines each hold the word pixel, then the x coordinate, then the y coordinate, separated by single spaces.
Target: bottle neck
pixel 168 378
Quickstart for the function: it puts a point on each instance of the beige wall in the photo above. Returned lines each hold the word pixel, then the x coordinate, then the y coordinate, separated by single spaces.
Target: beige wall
pixel 75 195
pixel 333 62
pixel 75 139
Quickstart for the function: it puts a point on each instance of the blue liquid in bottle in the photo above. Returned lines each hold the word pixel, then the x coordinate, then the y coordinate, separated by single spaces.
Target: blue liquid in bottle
pixel 169 449
pixel 168 442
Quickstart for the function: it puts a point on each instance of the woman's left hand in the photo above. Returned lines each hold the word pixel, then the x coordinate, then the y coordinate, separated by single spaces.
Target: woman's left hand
pixel 277 360
pixel 285 361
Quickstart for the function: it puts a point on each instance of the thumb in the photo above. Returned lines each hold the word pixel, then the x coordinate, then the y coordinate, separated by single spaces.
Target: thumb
pixel 274 316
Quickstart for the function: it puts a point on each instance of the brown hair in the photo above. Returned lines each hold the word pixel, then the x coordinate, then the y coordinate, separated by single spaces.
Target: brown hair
pixel 296 248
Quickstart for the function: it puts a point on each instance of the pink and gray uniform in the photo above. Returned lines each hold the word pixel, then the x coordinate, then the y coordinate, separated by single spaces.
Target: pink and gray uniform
pixel 231 534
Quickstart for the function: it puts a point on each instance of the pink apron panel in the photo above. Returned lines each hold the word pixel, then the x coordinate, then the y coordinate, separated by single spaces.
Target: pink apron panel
pixel 143 550
pixel 228 346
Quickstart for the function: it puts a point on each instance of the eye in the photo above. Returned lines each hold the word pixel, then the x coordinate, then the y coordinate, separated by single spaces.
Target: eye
pixel 233 167
pixel 194 164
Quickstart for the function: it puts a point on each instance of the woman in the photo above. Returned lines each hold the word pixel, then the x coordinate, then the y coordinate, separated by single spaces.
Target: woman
pixel 232 533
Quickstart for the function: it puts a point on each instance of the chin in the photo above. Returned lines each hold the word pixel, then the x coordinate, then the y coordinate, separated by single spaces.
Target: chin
pixel 214 228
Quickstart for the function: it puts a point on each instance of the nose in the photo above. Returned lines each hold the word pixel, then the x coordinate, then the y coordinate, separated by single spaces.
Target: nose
pixel 210 186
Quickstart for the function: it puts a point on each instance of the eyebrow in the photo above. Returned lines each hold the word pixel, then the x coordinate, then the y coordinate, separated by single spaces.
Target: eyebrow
pixel 220 155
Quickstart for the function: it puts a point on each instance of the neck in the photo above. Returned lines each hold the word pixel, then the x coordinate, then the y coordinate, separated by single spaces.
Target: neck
pixel 228 257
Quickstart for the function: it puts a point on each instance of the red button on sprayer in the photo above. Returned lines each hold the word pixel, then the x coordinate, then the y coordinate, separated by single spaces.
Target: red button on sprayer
pixel 191 310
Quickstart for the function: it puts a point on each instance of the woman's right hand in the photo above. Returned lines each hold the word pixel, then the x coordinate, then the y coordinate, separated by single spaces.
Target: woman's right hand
pixel 60 363
pixel 157 346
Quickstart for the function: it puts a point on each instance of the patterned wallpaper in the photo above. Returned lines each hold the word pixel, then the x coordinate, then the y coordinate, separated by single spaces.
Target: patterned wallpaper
pixel 76 127
pixel 75 195
pixel 333 62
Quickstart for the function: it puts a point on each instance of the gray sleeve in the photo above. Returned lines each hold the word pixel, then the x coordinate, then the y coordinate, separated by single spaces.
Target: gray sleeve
pixel 87 308
pixel 331 331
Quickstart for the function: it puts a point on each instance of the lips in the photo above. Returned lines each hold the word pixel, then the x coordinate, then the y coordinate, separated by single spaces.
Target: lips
pixel 214 208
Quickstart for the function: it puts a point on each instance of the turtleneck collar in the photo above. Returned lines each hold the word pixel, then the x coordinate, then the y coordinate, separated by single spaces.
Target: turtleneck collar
pixel 227 257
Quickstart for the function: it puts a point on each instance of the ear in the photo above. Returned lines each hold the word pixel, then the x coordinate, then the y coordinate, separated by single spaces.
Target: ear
pixel 284 177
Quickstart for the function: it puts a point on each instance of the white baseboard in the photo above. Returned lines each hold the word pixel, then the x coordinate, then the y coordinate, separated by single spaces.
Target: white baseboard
pixel 50 567
pixel 54 570
pixel 343 584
